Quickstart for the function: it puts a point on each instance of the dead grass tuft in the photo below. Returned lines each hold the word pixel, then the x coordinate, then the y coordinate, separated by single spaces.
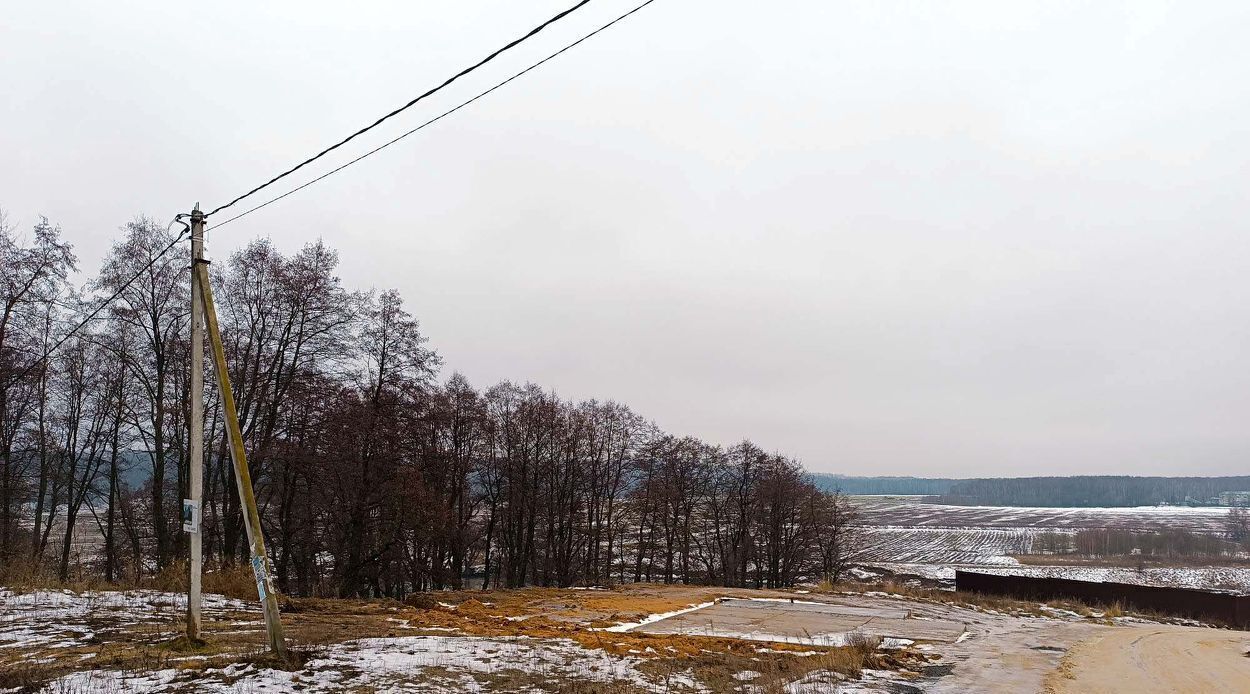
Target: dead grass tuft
pixel 775 671
pixel 174 578
pixel 231 580
pixel 183 644
pixel 421 601
pixel 26 676
pixel 23 575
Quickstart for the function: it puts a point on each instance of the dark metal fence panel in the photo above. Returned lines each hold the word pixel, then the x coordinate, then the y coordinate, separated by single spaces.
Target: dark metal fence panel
pixel 1209 606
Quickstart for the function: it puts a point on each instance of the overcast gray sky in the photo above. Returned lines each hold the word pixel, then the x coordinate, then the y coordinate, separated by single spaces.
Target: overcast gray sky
pixel 884 237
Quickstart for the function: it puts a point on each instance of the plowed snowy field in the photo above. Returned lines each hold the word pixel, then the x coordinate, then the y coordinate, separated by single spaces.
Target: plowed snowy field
pixel 908 536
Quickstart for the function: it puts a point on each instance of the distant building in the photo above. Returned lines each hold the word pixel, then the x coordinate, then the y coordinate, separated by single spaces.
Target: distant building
pixel 1234 498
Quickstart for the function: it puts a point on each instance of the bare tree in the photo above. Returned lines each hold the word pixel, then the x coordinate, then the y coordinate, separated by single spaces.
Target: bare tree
pixel 1237 525
pixel 837 533
pixel 32 278
pixel 154 309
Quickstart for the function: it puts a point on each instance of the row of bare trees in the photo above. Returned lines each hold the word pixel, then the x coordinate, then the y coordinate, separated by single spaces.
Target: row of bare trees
pixel 1178 544
pixel 373 477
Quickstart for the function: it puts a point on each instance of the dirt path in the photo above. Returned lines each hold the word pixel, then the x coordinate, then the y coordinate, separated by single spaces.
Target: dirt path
pixel 1005 654
pixel 1156 659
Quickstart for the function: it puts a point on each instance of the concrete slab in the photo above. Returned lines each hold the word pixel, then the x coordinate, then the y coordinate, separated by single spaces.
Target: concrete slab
pixel 827 608
pixel 915 629
pixel 825 623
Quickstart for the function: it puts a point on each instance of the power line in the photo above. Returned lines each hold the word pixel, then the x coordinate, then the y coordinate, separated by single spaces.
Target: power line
pixel 406 106
pixel 90 317
pixel 433 120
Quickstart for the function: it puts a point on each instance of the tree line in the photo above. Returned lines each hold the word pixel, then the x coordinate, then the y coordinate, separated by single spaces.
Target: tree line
pixel 1116 542
pixel 1089 491
pixel 373 476
pixel 848 484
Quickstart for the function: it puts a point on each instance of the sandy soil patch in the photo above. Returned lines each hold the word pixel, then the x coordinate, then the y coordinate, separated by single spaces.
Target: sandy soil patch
pixel 1178 660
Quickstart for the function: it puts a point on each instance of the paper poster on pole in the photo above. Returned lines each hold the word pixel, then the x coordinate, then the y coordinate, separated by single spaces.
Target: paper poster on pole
pixel 190 516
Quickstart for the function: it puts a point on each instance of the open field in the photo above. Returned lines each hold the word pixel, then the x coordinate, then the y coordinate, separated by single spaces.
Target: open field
pixel 921 545
pixel 642 638
pixel 910 512
pixel 906 536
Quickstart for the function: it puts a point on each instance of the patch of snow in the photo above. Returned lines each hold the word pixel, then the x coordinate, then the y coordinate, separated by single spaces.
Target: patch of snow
pixel 1060 612
pixel 891 643
pixel 816 682
pixel 65 619
pixel 782 600
pixel 797 653
pixel 1235 578
pixel 828 639
pixel 627 626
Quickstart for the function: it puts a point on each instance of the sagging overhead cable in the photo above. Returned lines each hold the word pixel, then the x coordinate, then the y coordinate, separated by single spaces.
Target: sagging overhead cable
pixel 399 110
pixel 433 120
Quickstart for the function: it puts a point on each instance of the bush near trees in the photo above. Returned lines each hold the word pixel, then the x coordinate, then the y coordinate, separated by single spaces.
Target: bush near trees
pixel 1237 526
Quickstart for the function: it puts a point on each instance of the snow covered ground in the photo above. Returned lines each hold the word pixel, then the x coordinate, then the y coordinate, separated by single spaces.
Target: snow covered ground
pixel 1204 577
pixel 400 664
pixel 50 624
pixel 904 512
pixel 64 619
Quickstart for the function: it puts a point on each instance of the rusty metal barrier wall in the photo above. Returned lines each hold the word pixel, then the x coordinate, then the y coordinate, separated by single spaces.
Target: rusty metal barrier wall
pixel 1209 606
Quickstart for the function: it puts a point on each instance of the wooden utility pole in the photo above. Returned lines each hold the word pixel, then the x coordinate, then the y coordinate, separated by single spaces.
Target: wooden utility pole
pixel 191 507
pixel 242 477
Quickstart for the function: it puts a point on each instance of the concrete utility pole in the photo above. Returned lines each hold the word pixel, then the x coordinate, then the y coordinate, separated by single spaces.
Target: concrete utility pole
pixel 242 477
pixel 191 506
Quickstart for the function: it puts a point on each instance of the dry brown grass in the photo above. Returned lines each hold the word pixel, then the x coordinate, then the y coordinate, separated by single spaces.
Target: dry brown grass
pixel 566 614
pixel 544 613
pixel 26 676
pixel 1115 609
pixel 232 580
pixel 23 575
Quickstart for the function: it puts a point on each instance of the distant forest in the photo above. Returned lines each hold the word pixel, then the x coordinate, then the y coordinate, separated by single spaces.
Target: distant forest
pixel 928 486
pixel 1109 490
